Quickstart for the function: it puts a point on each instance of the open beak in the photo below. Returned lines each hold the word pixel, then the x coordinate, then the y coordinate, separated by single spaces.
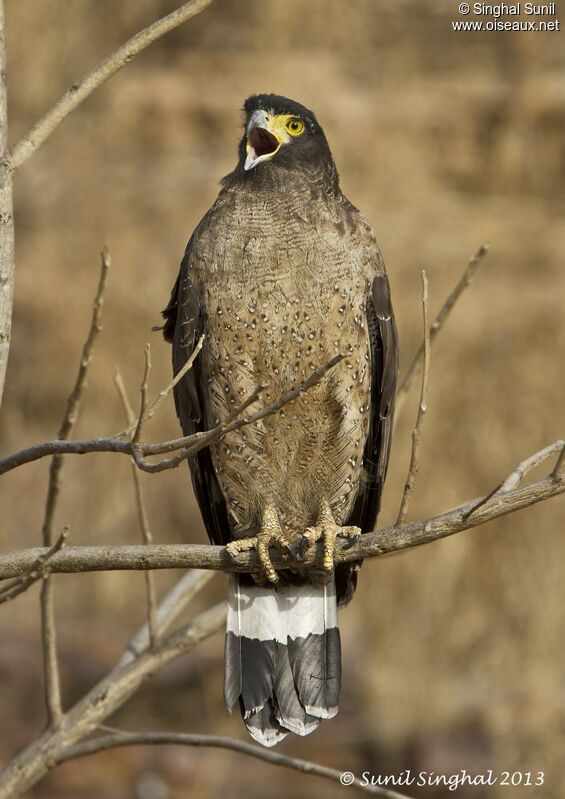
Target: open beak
pixel 262 144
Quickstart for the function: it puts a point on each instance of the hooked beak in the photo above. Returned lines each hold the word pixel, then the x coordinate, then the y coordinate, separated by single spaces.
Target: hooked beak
pixel 262 144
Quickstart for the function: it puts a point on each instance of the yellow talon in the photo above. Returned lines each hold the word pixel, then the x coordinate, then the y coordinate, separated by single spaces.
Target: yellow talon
pixel 270 534
pixel 327 531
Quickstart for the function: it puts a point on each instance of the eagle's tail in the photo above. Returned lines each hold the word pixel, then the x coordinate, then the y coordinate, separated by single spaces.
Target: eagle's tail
pixel 282 657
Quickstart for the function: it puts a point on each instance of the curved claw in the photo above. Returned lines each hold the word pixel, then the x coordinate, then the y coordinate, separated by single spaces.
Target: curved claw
pixel 232 552
pixel 269 535
pixel 327 532
pixel 287 550
pixel 308 537
pixel 351 536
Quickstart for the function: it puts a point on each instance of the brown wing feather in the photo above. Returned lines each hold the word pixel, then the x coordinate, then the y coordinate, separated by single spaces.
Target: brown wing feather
pixel 384 372
pixel 183 327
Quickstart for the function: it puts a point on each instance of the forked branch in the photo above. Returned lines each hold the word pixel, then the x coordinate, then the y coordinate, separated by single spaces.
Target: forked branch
pixel 84 87
pixel 48 629
pixel 183 447
pixel 422 409
pixel 380 542
pixel 438 323
pixel 38 570
pixel 100 702
pixel 146 535
pixel 120 738
pixel 30 141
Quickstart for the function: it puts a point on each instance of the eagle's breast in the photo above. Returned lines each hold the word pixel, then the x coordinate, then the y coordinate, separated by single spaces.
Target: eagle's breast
pixel 285 290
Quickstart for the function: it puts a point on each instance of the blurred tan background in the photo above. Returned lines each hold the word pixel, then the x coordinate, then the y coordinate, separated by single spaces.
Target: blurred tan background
pixel 453 652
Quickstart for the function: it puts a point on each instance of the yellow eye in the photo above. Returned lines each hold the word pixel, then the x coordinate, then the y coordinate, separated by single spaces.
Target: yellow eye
pixel 295 126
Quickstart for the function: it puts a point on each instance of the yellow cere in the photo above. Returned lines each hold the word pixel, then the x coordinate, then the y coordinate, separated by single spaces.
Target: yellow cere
pixel 285 125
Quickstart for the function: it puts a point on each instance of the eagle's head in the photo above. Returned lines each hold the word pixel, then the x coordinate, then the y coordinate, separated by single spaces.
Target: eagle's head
pixel 281 133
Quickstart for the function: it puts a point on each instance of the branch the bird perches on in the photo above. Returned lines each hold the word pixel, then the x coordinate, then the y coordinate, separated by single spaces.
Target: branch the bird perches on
pixel 380 542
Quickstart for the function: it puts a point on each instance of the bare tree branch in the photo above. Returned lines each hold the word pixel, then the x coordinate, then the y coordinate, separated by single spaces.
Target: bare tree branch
pixel 48 630
pixel 143 518
pixel 28 144
pixel 36 572
pixel 80 90
pixel 169 609
pixel 422 408
pixel 74 398
pixel 100 702
pixel 559 471
pixel 438 323
pixel 185 447
pixel 530 463
pixel 6 216
pixel 59 744
pixel 520 472
pixel 379 542
pixel 202 440
pixel 143 393
pixel 149 413
pixel 121 738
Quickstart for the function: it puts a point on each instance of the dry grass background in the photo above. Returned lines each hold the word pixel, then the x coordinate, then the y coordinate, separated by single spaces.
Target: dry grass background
pixel 453 653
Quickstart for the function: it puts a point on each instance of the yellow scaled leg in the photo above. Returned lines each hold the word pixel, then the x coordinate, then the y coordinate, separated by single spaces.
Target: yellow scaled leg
pixel 327 531
pixel 270 534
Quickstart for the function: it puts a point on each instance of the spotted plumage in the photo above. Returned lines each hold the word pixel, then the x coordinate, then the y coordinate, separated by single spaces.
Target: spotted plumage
pixel 282 274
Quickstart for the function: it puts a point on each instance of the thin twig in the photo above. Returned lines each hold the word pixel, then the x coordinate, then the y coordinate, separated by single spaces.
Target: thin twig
pixel 7 261
pixel 73 400
pixel 121 738
pixel 49 645
pixel 36 571
pixel 228 426
pixel 474 507
pixel 559 471
pixel 143 518
pixel 143 394
pixel 80 90
pixel 101 702
pixel 48 631
pixel 185 446
pixel 438 323
pixel 173 603
pixel 118 445
pixel 126 404
pixel 422 408
pixel 201 556
pixel 164 393
pixel 515 477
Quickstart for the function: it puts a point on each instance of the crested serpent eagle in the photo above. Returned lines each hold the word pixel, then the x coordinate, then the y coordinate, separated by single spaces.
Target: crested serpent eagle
pixel 282 274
